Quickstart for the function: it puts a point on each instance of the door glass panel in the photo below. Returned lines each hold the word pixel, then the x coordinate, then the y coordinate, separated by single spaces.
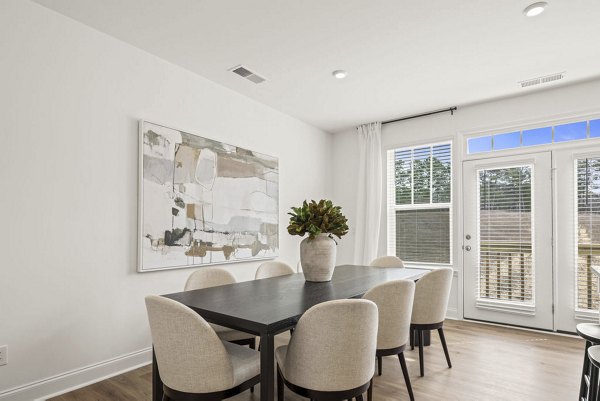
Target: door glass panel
pixel 506 270
pixel 588 232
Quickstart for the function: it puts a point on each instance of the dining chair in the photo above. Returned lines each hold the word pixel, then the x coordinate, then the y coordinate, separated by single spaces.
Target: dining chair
pixel 429 309
pixel 299 267
pixel 394 301
pixel 212 277
pixel 273 269
pixel 194 364
pixel 387 261
pixel 330 356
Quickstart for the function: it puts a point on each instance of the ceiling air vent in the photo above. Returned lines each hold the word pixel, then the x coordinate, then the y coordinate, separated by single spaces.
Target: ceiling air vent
pixel 542 80
pixel 246 73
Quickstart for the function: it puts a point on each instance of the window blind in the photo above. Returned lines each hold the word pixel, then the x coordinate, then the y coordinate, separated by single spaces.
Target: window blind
pixel 506 269
pixel 423 235
pixel 588 232
pixel 419 203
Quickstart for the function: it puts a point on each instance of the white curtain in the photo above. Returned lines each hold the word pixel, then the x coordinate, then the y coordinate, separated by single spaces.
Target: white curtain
pixel 370 193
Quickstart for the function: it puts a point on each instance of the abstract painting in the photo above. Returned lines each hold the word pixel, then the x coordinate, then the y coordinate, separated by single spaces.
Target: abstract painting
pixel 203 201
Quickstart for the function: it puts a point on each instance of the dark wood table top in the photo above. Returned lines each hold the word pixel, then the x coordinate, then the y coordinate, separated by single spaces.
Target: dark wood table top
pixel 274 305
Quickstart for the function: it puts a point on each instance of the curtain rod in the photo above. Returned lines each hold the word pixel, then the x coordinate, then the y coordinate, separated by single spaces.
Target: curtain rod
pixel 451 110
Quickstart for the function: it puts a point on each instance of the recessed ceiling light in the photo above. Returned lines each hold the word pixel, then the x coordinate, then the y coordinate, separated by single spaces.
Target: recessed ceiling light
pixel 339 74
pixel 535 9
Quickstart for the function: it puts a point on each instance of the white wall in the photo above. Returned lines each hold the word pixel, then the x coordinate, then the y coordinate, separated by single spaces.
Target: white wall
pixel 70 99
pixel 561 102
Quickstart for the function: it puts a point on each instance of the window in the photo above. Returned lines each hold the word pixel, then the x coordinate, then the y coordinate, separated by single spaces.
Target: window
pixel 507 141
pixel 537 136
pixel 588 232
pixel 533 137
pixel 506 270
pixel 420 203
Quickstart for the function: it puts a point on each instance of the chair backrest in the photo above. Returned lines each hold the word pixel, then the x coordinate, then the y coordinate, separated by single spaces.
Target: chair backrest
pixel 387 261
pixel 431 297
pixel 333 346
pixel 394 301
pixel 190 355
pixel 208 277
pixel 299 267
pixel 273 268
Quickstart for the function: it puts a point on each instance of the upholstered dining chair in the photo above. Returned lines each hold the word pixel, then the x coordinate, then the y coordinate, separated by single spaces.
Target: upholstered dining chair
pixel 394 301
pixel 193 362
pixel 273 269
pixel 387 261
pixel 429 309
pixel 211 277
pixel 330 356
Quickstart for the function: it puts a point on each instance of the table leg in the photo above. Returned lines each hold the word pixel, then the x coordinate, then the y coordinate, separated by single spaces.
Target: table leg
pixel 157 384
pixel 267 367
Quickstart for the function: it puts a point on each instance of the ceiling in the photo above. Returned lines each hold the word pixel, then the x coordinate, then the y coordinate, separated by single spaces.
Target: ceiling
pixel 402 57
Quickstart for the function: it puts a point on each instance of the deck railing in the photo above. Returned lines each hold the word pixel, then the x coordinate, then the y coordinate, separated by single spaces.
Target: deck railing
pixel 506 273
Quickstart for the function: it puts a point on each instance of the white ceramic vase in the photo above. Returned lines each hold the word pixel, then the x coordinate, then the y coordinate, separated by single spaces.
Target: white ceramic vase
pixel 317 257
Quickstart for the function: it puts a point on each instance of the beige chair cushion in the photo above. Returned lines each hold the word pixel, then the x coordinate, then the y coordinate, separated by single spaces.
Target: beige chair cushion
pixel 207 277
pixel 190 355
pixel 394 301
pixel 333 346
pixel 245 362
pixel 387 261
pixel 431 297
pixel 273 269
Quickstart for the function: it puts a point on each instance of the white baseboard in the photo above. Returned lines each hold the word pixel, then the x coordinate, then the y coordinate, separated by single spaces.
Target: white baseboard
pixel 69 381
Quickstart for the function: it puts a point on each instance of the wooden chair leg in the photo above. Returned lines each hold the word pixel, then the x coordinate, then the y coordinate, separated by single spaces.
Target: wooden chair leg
pixel 592 391
pixel 443 340
pixel 406 377
pixel 280 386
pixel 421 361
pixel 291 331
pixel 586 369
pixel 165 398
pixel 359 398
pixel 412 339
pixel 370 391
pixel 379 365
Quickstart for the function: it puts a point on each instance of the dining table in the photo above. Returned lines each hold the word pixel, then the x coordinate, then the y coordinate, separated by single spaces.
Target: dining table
pixel 270 306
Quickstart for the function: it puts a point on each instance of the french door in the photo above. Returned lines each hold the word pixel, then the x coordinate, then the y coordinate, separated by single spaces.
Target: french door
pixel 577 236
pixel 507 244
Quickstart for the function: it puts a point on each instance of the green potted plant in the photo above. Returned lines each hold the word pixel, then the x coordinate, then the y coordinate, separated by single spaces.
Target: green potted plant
pixel 321 221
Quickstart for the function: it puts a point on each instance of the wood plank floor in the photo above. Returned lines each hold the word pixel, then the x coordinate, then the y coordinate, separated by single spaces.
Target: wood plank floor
pixel 489 363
